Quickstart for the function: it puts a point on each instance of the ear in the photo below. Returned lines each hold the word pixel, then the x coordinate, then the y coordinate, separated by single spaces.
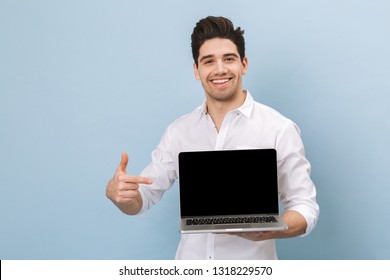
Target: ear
pixel 244 65
pixel 196 72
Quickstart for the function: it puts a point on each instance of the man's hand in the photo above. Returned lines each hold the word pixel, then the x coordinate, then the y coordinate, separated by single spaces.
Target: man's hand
pixel 296 226
pixel 255 236
pixel 122 189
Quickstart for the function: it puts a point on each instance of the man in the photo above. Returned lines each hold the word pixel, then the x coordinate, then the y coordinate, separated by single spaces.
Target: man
pixel 228 119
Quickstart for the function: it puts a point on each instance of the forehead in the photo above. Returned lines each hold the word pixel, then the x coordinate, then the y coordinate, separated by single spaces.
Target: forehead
pixel 217 47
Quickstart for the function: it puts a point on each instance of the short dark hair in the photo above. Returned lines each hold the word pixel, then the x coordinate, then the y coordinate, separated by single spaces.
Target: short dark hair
pixel 216 27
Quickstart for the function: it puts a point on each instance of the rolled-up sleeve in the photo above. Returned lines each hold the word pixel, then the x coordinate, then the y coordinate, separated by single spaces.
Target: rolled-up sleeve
pixel 161 170
pixel 296 188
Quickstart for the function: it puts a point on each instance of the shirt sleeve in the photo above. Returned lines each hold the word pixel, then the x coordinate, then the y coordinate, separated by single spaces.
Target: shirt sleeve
pixel 297 190
pixel 161 170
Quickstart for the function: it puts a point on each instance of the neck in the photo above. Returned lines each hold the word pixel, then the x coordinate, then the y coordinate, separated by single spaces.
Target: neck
pixel 218 109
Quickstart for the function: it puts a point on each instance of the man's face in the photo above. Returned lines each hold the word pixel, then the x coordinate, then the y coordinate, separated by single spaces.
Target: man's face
pixel 220 69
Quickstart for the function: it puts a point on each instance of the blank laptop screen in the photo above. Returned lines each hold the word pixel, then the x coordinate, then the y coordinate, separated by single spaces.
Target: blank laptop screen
pixel 228 182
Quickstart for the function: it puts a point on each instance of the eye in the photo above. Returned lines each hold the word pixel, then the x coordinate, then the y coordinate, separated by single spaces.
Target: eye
pixel 230 58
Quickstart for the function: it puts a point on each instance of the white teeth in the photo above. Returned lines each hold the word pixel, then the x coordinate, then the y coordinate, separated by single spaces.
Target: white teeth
pixel 220 81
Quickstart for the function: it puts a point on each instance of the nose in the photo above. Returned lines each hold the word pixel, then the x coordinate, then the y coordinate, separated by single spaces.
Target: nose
pixel 220 68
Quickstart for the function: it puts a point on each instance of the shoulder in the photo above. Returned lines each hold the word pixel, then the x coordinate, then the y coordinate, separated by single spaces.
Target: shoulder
pixel 188 118
pixel 270 115
pixel 184 122
pixel 263 113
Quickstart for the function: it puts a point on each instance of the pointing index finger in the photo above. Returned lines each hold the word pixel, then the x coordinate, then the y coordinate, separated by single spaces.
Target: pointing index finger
pixel 137 180
pixel 144 180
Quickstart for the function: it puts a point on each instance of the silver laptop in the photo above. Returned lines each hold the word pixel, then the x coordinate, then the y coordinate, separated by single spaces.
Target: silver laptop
pixel 229 191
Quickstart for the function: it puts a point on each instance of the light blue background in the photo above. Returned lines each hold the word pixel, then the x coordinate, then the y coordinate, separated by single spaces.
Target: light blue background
pixel 82 81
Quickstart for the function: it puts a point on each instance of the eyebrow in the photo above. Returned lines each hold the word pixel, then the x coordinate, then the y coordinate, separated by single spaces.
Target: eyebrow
pixel 211 56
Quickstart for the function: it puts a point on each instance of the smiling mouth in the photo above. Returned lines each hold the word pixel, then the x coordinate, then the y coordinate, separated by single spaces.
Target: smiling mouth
pixel 220 81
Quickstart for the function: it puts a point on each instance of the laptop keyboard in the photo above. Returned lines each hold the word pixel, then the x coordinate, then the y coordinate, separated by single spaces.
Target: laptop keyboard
pixel 235 220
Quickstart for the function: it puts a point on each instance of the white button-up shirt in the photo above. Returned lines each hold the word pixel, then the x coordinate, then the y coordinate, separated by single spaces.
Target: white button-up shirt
pixel 253 125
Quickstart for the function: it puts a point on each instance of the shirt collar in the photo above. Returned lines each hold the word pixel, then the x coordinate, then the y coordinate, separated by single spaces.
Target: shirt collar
pixel 245 109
